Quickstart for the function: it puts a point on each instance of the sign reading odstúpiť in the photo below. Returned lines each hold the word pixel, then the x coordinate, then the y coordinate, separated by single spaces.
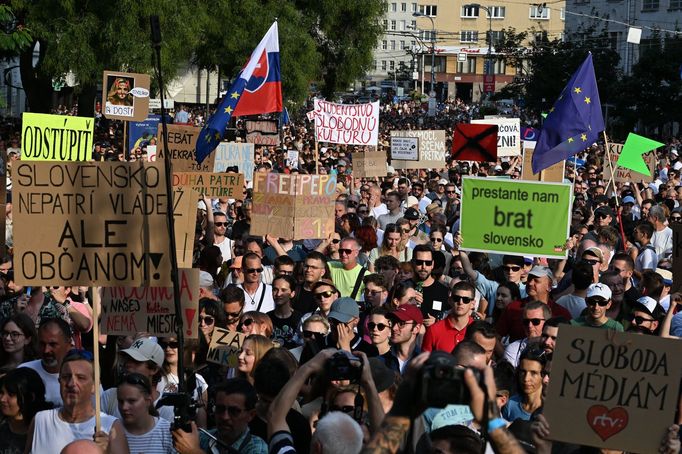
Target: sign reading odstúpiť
pixel 515 217
pixel 91 224
pixel 293 206
pixel 56 137
pixel 618 390
pixel 127 311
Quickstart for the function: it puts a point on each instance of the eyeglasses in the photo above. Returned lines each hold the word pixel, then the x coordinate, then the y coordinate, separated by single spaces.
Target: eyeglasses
pixel 253 270
pixel 208 320
pixel 312 267
pixel 13 335
pixel 423 262
pixel 458 298
pixel 310 334
pixel 344 408
pixel 533 321
pixel 601 215
pixel 594 300
pixel 676 218
pixel 336 241
pixel 171 344
pixel 234 412
pixel 511 268
pixel 450 192
pixel 324 295
pixel 436 240
pixel 638 320
pixel 372 292
pixel 346 251
pixel 378 326
pixel 247 322
pixel 220 224
pixel 401 324
pixel 591 261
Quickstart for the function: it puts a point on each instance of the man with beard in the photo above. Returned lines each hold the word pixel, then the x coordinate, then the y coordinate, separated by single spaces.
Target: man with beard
pixel 646 316
pixel 434 294
pixel 550 331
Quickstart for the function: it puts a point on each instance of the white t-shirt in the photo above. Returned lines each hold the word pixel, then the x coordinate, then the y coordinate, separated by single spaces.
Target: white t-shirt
pixel 261 301
pixel 51 382
pixel 156 441
pixel 51 433
pixel 169 384
pixel 663 242
pixel 109 404
pixel 573 304
pixel 378 211
pixel 225 249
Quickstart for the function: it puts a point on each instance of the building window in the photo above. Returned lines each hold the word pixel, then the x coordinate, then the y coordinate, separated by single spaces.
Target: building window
pixel 391 65
pixel 468 36
pixel 498 37
pixel 403 7
pixel 392 44
pixel 413 25
pixel 562 13
pixel 613 40
pixel 393 25
pixel 402 45
pixel 385 25
pixel 675 4
pixel 468 67
pixel 470 11
pixel 413 44
pixel 401 25
pixel 541 37
pixel 374 65
pixel 394 7
pixel 539 12
pixel 414 7
pixel 650 5
pixel 500 67
pixel 497 12
pixel 383 65
pixel 427 35
pixel 428 10
pixel 384 44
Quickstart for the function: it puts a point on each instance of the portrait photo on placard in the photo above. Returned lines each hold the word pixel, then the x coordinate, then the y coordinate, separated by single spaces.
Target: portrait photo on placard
pixel 119 91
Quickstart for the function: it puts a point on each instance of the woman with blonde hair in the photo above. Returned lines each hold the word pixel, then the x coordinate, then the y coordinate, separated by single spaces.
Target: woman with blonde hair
pixel 253 349
pixel 254 322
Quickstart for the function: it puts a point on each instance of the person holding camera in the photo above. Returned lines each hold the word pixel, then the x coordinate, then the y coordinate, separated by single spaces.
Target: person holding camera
pixel 344 317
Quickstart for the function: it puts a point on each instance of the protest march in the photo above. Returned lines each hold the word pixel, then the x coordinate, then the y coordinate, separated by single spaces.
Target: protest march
pixel 351 277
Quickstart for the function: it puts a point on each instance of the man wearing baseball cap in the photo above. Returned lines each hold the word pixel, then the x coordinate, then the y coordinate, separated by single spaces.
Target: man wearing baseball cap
pixel 344 317
pixel 646 316
pixel 406 321
pixel 598 301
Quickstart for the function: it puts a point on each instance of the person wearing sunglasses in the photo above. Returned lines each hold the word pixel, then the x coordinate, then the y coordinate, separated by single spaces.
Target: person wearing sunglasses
pixel 347 273
pixel 534 315
pixel 234 408
pixel 220 238
pixel 257 294
pixel 647 316
pixel 598 301
pixel 344 318
pixel 445 334
pixel 379 329
pixel 325 293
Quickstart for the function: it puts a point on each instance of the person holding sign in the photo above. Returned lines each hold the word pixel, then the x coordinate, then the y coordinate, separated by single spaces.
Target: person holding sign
pixel 598 301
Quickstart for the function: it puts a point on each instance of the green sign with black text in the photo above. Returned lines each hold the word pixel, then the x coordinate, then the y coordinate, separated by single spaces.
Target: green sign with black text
pixel 515 217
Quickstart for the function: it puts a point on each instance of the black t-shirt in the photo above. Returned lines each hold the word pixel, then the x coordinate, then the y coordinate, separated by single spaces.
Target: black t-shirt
pixel 435 292
pixel 284 329
pixel 240 228
pixel 298 425
pixel 305 301
pixel 11 443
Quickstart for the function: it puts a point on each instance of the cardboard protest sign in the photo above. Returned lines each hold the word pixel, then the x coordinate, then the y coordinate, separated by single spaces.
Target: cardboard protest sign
pixel 515 217
pixel 622 174
pixel 404 148
pixel 508 135
pixel 224 347
pixel 182 142
pixel 143 133
pixel 56 137
pixel 125 96
pixel 213 185
pixel 431 149
pixel 618 390
pixel 185 222
pixel 293 206
pixel 552 174
pixel 232 154
pixel 127 311
pixel 351 124
pixel 263 132
pixel 91 224
pixel 474 143
pixel 369 164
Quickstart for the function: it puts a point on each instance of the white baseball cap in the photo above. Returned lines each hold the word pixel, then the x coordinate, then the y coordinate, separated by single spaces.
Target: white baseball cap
pixel 146 349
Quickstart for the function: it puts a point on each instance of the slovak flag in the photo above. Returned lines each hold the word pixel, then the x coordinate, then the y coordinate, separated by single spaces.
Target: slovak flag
pixel 258 89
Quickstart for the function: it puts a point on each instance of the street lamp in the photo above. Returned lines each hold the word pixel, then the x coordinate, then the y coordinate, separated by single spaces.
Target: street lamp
pixel 433 47
pixel 489 69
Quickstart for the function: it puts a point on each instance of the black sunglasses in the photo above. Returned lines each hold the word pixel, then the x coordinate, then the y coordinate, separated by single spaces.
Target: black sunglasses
pixel 423 262
pixel 336 241
pixel 638 320
pixel 600 301
pixel 464 299
pixel 247 322
pixel 436 240
pixel 220 224
pixel 345 251
pixel 171 344
pixel 378 326
pixel 208 319
pixel 253 270
pixel 321 295
pixel 234 412
pixel 511 268
pixel 310 334
pixel 534 321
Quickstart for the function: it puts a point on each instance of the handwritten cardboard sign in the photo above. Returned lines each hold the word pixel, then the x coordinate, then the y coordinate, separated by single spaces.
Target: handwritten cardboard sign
pixel 125 96
pixel 182 142
pixel 431 149
pixel 618 390
pixel 508 134
pixel 213 185
pixel 91 224
pixel 224 347
pixel 233 154
pixel 263 132
pixel 185 221
pixel 293 206
pixel 130 310
pixel 552 174
pixel 56 137
pixel 622 174
pixel 352 124
pixel 369 164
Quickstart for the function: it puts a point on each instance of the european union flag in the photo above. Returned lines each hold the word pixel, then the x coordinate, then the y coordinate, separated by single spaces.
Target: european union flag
pixel 574 122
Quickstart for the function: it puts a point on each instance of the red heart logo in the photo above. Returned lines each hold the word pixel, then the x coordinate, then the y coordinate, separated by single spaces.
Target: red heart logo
pixel 607 423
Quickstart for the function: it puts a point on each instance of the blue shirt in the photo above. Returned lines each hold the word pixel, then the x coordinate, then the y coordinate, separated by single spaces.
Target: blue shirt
pixel 254 444
pixel 513 410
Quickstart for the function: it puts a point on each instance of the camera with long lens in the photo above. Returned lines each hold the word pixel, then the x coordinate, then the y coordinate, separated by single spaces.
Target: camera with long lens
pixel 184 405
pixel 343 366
pixel 442 381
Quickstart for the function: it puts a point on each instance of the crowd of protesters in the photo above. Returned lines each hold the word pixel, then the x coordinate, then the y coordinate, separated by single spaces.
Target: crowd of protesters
pixel 341 330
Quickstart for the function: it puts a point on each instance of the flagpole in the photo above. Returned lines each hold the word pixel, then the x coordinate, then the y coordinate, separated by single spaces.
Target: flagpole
pixel 612 182
pixel 317 159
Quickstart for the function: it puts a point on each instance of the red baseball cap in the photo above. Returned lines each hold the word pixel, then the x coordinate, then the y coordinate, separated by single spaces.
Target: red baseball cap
pixel 408 313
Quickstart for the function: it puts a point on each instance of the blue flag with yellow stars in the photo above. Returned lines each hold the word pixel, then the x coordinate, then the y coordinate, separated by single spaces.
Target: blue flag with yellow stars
pixel 573 123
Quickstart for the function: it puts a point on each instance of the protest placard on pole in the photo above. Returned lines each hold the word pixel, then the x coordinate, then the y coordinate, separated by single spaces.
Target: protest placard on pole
pixel 293 206
pixel 552 174
pixel 90 224
pixel 233 154
pixel 263 132
pixel 515 217
pixel 508 134
pixel 618 390
pixel 47 137
pixel 431 149
pixel 213 185
pixel 125 96
pixel 351 124
pixel 182 142
pixel 127 311
pixel 144 133
pixel 369 164
pixel 224 347
pixel 185 222
pixel 623 174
